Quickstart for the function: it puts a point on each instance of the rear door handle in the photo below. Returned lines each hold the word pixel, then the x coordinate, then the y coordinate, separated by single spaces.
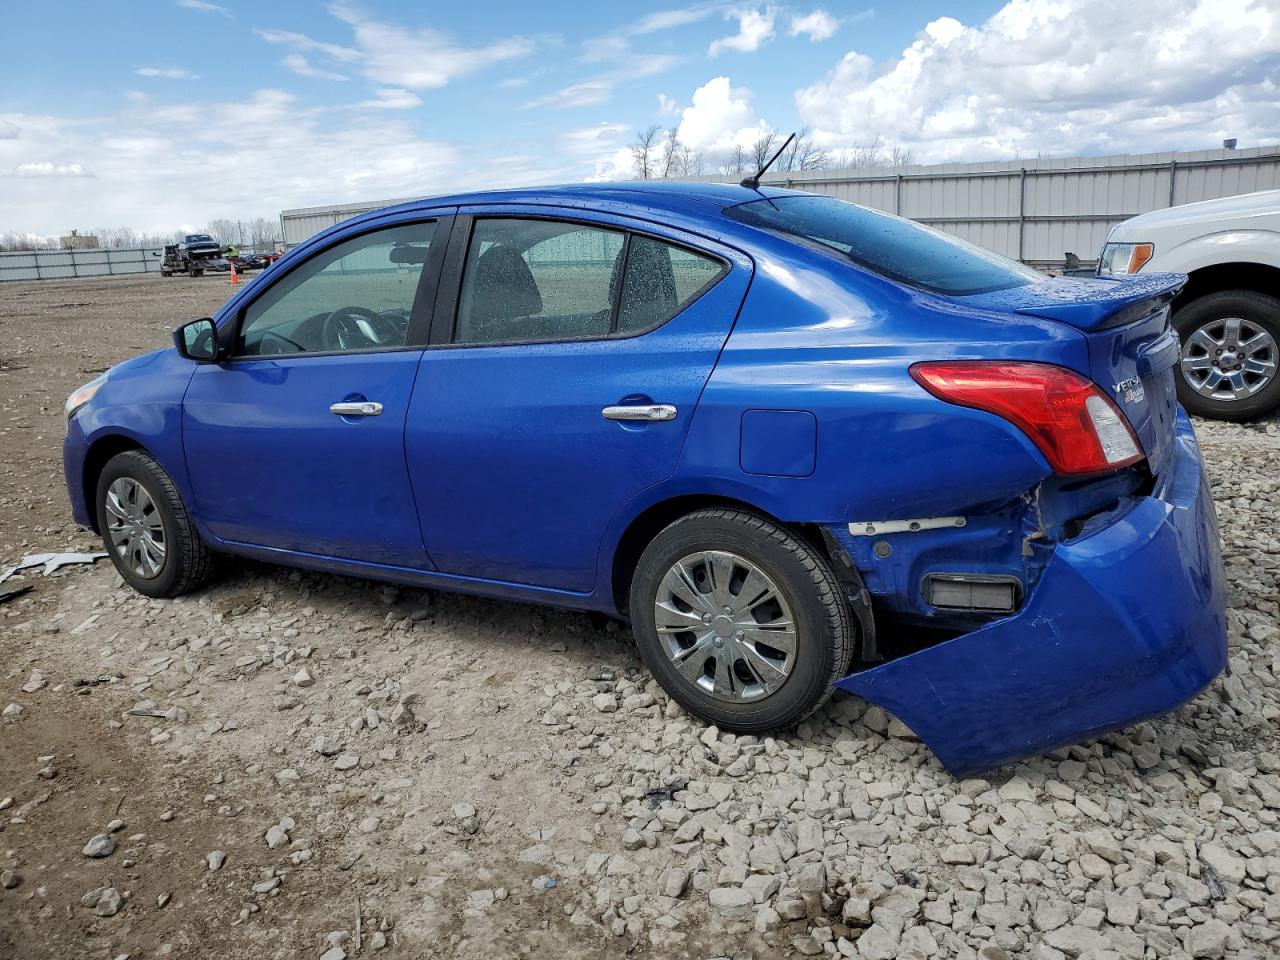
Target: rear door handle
pixel 356 408
pixel 651 411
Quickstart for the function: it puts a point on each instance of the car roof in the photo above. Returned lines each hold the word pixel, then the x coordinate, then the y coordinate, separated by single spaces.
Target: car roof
pixel 669 196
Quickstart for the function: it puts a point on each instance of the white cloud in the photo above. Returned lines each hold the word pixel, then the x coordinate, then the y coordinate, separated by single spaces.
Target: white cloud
pixel 591 141
pixel 169 73
pixel 208 144
pixel 420 58
pixel 46 169
pixel 667 106
pixel 1054 79
pixel 599 89
pixel 755 27
pixel 204 6
pixel 392 98
pixel 303 67
pixel 616 44
pixel 301 42
pixel 817 26
pixel 588 93
pixel 720 117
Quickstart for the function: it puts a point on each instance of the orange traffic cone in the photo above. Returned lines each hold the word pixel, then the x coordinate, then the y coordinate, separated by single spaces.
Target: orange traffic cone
pixel 234 278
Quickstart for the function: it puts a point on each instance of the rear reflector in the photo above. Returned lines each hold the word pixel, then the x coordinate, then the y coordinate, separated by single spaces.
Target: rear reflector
pixel 1073 423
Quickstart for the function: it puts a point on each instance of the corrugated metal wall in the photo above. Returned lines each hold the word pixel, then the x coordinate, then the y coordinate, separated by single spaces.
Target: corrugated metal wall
pixel 66 264
pixel 1032 210
pixel 1040 210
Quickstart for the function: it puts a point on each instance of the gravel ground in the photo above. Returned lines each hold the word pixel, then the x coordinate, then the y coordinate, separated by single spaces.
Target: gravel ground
pixel 289 765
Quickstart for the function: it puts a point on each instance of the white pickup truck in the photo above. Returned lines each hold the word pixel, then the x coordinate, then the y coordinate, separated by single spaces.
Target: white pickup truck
pixel 1228 315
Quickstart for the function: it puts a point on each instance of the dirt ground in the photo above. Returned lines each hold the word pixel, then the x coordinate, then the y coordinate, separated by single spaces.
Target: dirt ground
pixel 411 774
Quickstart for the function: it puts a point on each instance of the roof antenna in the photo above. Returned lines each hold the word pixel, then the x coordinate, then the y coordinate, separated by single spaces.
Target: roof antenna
pixel 754 182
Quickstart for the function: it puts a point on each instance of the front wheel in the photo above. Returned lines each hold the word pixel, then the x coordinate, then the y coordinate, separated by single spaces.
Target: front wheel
pixel 1230 352
pixel 741 622
pixel 146 529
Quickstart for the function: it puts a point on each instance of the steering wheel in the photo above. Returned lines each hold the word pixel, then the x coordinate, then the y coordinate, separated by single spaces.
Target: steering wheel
pixel 355 328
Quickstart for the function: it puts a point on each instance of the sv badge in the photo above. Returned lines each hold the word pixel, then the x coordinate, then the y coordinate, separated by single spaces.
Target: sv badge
pixel 1130 390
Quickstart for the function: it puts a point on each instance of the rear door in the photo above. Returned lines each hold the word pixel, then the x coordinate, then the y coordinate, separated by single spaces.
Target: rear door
pixel 297 442
pixel 568 356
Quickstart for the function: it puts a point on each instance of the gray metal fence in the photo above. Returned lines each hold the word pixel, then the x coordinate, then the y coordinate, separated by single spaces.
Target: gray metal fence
pixel 1037 211
pixel 67 264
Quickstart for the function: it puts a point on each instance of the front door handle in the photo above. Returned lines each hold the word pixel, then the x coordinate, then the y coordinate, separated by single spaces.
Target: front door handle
pixel 356 408
pixel 651 411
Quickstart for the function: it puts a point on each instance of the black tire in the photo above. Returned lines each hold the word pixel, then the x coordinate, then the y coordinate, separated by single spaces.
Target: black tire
pixel 824 629
pixel 187 563
pixel 1258 309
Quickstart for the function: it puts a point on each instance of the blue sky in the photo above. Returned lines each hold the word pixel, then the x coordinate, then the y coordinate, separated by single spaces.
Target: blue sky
pixel 168 113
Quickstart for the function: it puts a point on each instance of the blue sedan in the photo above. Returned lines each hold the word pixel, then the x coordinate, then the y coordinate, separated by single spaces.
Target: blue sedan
pixel 798 444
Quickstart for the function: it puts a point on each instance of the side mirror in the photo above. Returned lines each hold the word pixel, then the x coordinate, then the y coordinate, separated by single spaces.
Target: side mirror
pixel 197 340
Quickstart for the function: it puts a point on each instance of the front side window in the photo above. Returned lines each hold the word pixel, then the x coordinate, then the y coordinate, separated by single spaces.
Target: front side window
pixel 892 246
pixel 539 280
pixel 357 295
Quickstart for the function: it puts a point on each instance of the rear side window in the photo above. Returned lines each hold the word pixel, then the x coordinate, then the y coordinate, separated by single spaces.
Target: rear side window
pixel 660 281
pixel 897 248
pixel 537 280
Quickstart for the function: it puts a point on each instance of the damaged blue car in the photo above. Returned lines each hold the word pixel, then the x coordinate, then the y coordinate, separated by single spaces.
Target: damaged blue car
pixel 798 444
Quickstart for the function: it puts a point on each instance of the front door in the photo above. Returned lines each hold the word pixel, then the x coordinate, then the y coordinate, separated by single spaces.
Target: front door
pixel 297 442
pixel 571 371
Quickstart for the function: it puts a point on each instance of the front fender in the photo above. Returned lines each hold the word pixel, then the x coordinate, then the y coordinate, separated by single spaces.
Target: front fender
pixel 142 402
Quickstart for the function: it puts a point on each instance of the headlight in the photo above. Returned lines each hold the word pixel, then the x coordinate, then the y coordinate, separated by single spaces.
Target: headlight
pixel 1123 259
pixel 83 395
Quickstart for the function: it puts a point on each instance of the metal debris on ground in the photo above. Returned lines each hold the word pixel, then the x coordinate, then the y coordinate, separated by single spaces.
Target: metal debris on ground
pixel 8 593
pixel 50 562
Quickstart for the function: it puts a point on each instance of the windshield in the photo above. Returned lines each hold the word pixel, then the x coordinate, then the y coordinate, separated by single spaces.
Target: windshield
pixel 896 248
pixel 199 238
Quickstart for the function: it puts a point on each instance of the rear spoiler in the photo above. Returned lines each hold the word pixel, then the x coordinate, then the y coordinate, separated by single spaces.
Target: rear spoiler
pixel 1088 303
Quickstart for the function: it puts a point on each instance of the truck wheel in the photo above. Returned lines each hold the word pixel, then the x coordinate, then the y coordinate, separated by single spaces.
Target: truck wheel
pixel 742 623
pixel 1230 354
pixel 146 529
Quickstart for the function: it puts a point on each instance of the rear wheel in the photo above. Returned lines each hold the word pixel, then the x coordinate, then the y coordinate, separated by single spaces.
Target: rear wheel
pixel 742 623
pixel 1230 354
pixel 146 529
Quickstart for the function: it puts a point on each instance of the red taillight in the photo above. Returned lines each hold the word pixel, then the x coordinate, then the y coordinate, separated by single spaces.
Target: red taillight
pixel 1075 425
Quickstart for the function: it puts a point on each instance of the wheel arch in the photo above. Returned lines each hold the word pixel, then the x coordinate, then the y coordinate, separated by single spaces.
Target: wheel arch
pixel 99 454
pixel 1217 277
pixel 646 525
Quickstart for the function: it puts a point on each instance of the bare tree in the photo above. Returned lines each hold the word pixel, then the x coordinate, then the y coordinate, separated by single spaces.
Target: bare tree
pixel 803 154
pixel 671 155
pixel 226 232
pixel 762 150
pixel 642 152
pixel 263 233
pixel 873 154
pixel 691 162
pixel 737 162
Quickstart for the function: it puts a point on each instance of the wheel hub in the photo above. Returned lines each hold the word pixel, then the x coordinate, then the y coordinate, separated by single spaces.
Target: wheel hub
pixel 1229 359
pixel 135 528
pixel 726 626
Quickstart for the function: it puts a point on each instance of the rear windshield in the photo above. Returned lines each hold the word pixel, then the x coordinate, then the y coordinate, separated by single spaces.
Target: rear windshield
pixel 896 248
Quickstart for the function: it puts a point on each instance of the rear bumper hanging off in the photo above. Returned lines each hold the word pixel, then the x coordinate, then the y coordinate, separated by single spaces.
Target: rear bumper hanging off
pixel 1125 623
